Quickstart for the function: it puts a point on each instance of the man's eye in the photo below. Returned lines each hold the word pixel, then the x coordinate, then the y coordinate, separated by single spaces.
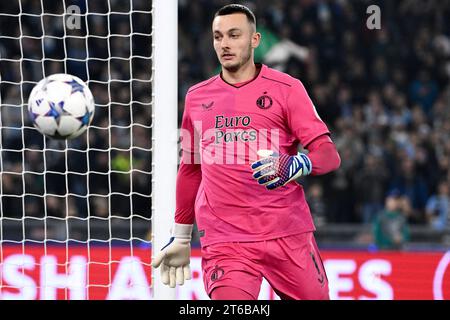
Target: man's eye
pixel 234 36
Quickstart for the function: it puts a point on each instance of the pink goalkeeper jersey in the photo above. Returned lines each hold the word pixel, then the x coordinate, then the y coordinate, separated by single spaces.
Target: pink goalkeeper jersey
pixel 226 125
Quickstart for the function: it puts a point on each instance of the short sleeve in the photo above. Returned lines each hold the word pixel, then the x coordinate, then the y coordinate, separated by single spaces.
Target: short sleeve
pixel 304 121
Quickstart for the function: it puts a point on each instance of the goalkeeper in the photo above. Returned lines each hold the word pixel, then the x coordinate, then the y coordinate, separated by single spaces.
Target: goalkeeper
pixel 240 135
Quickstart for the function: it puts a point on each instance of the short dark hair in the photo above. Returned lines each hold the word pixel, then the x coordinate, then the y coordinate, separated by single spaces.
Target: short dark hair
pixel 236 8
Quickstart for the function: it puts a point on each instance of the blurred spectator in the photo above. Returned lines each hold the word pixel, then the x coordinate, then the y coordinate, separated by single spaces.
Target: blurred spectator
pixel 413 186
pixel 317 204
pixel 370 183
pixel 438 207
pixel 390 228
pixel 424 91
pixel 100 207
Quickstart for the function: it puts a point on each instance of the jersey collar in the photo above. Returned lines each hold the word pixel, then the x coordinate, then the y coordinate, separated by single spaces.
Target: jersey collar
pixel 262 69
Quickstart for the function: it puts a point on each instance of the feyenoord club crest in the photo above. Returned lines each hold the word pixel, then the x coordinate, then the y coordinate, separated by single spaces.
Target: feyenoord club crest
pixel 217 273
pixel 264 102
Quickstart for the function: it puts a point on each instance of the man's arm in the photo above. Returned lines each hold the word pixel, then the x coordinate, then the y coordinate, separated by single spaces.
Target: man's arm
pixel 323 155
pixel 189 173
pixel 188 181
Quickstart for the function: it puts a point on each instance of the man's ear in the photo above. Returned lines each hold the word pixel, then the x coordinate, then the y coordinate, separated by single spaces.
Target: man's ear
pixel 256 39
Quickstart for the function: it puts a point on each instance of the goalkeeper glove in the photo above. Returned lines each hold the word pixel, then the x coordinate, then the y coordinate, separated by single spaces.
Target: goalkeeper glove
pixel 276 170
pixel 174 257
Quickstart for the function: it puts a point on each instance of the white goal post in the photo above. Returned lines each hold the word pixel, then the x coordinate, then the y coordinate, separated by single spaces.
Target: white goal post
pixel 81 218
pixel 165 86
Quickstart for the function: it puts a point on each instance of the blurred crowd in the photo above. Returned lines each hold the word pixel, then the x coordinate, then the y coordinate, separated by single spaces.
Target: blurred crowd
pixel 385 95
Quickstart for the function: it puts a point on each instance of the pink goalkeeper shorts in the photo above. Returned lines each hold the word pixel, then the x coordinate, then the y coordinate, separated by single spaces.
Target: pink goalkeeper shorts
pixel 292 266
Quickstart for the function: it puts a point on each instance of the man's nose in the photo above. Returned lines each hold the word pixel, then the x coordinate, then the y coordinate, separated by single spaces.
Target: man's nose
pixel 225 44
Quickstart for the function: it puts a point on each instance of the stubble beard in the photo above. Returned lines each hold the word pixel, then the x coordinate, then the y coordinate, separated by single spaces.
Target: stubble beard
pixel 235 67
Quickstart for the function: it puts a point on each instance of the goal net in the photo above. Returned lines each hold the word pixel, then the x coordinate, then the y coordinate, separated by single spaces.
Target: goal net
pixel 76 215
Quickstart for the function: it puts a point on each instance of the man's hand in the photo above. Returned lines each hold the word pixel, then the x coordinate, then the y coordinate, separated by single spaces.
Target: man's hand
pixel 276 170
pixel 174 258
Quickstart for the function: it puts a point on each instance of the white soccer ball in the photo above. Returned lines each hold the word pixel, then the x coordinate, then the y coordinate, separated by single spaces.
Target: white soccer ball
pixel 61 106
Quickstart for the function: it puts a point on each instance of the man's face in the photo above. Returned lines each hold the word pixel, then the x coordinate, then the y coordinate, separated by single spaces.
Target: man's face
pixel 393 203
pixel 234 40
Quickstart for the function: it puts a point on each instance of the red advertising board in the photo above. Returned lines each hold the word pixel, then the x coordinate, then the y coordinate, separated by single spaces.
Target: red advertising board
pixel 388 275
pixel 75 272
pixel 97 272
